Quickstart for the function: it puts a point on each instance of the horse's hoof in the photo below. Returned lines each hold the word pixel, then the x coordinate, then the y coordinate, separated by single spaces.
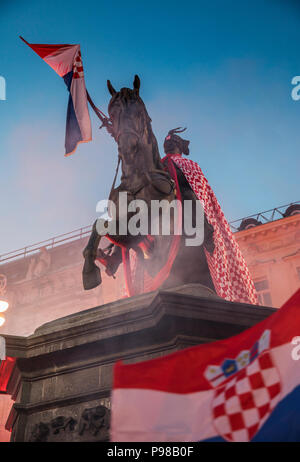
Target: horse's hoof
pixel 91 279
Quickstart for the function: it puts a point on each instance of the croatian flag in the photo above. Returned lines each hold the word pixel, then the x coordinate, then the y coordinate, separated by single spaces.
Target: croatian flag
pixel 245 388
pixel 6 368
pixel 66 61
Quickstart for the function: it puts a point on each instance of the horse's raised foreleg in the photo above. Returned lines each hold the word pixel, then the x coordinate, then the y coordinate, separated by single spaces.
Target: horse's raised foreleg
pixel 91 275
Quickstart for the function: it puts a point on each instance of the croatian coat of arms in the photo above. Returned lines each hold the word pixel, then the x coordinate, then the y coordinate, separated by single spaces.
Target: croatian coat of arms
pixel 247 389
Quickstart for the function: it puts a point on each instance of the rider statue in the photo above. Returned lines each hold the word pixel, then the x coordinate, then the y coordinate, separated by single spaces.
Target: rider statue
pixel 227 268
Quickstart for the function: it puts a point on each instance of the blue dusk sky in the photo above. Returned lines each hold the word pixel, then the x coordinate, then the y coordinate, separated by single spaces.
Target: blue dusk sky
pixel 222 68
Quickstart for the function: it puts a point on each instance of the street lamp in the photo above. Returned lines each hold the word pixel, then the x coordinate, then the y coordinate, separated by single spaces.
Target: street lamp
pixel 3 300
pixel 3 304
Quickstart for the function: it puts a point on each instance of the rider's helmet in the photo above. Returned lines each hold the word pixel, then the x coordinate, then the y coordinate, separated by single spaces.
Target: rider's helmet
pixel 173 142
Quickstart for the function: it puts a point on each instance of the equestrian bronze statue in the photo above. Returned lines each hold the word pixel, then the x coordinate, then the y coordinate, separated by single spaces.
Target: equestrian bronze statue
pixel 145 177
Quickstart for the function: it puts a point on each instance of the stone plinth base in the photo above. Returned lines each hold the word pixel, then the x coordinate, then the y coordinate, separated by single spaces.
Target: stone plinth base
pixel 63 376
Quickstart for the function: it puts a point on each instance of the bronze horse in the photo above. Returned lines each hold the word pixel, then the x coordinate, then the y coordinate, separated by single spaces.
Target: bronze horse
pixel 144 177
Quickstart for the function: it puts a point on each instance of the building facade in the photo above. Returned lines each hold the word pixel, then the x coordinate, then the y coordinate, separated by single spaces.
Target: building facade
pixel 272 253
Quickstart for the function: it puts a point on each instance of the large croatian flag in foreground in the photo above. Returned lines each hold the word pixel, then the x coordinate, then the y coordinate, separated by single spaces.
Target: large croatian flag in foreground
pixel 67 63
pixel 246 388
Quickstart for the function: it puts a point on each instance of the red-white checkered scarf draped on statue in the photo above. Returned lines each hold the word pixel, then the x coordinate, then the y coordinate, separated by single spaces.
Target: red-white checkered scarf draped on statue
pixel 226 263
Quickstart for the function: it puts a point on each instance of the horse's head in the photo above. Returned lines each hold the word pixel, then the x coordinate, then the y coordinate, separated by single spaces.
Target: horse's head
pixel 129 118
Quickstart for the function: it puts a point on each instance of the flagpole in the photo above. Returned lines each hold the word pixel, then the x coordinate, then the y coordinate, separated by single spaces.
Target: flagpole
pixel 104 119
pixel 25 41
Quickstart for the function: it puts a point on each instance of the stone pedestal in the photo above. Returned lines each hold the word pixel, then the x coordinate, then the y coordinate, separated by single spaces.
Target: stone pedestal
pixel 63 376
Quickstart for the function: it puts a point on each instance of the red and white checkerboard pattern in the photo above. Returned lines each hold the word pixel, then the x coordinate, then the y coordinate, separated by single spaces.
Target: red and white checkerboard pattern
pixel 78 67
pixel 227 266
pixel 242 405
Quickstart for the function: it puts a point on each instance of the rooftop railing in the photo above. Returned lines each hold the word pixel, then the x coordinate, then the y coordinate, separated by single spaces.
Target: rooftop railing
pixel 264 217
pixel 48 243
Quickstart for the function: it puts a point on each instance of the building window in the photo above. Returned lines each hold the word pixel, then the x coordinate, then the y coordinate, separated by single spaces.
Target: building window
pixel 263 292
